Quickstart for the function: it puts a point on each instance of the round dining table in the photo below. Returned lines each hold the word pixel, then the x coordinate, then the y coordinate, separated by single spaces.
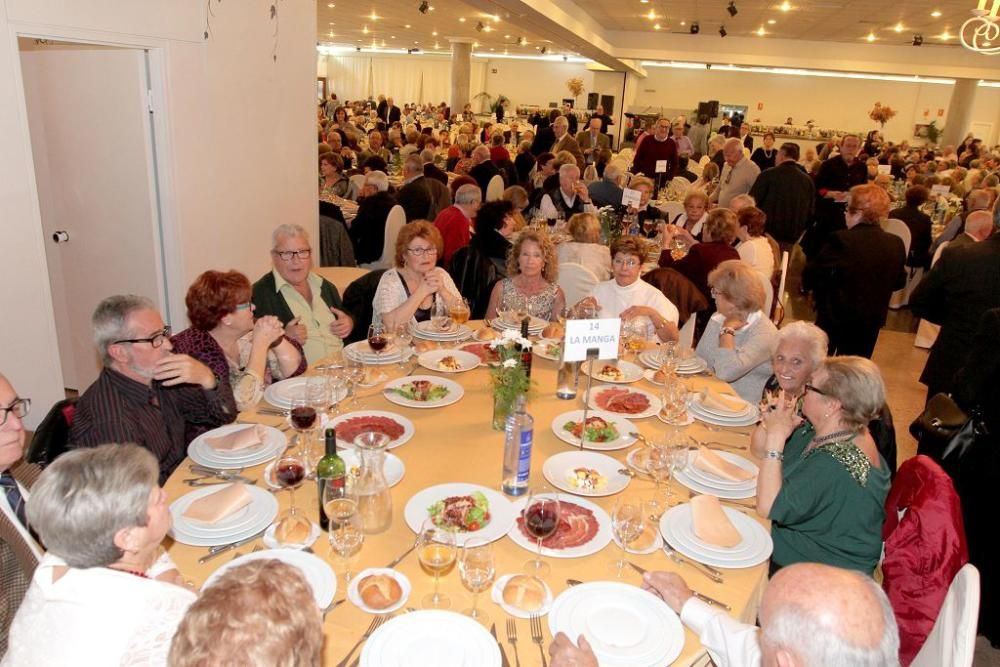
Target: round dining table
pixel 456 443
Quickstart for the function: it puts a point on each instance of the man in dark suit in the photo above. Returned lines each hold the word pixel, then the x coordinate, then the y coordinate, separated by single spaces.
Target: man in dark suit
pixel 414 195
pixel 978 227
pixel 835 177
pixel 787 195
pixel 391 113
pixel 483 169
pixel 368 228
pixel 431 170
pixel 545 138
pixel 603 117
pixel 571 119
pixel 380 108
pixel 591 141
pixel 961 287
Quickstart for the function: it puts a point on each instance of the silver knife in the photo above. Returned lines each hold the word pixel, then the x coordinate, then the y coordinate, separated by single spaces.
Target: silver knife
pixel 215 551
pixel 707 570
pixel 503 656
pixel 700 596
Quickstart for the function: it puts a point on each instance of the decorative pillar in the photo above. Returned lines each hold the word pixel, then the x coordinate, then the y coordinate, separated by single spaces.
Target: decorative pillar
pixel 461 74
pixel 956 124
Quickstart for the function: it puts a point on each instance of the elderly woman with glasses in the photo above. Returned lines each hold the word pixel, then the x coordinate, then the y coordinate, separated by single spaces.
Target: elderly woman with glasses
pixel 628 297
pixel 105 593
pixel 822 481
pixel 408 292
pixel 532 271
pixel 223 335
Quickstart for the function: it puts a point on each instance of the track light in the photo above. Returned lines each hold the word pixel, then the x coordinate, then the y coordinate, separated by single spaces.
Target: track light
pixel 545 50
pixel 918 40
pixel 480 26
pixel 424 6
pixel 732 8
pixel 695 28
pixel 521 41
pixel 722 31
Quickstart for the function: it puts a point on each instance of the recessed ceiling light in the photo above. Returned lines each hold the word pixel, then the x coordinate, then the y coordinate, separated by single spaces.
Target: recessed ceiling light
pixel 651 15
pixel 374 16
pixel 332 23
pixel 365 31
pixel 656 26
pixel 436 45
pixel 936 14
pixel 644 2
pixel 461 19
pixel 898 27
pixel 771 21
pixel 761 32
pixel 407 26
pixel 432 8
pixel 434 34
pixel 870 37
pixel 331 5
pixel 331 34
pixel 495 18
pixel 506 36
pixel 475 45
pixel 684 22
pixel 785 6
pixel 392 37
pixel 945 35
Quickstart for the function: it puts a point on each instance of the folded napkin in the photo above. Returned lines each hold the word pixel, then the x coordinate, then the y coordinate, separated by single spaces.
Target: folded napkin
pixel 710 462
pixel 239 439
pixel 217 506
pixel 724 403
pixel 711 524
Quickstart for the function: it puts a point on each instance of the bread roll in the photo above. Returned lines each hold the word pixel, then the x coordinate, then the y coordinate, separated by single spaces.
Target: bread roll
pixel 292 532
pixel 379 591
pixel 524 593
pixel 553 331
pixel 486 333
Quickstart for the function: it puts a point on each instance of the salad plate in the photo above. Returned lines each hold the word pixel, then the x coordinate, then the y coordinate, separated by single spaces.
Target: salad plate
pixel 423 391
pixel 471 510
pixel 605 431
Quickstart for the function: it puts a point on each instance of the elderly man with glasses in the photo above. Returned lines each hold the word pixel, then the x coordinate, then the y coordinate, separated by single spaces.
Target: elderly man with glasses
pixel 146 394
pixel 308 305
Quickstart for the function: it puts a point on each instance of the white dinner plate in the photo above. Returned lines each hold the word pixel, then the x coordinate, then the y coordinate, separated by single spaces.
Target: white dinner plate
pixel 535 325
pixel 558 469
pixel 362 351
pixel 698 411
pixel 282 393
pixel 600 539
pixel 629 371
pixel 548 348
pixel 678 530
pixel 699 367
pixel 742 412
pixel 202 453
pixel 711 479
pixel 431 638
pixel 355 597
pixel 426 331
pixel 368 415
pixel 652 409
pixel 243 523
pixel 455 392
pixel 502 513
pixel 431 360
pixel 651 359
pixel 622 425
pixel 393 468
pixel 625 625
pixel 318 574
pixel 496 594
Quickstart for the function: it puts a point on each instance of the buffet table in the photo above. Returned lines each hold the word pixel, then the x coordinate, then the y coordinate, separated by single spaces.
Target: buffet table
pixel 456 444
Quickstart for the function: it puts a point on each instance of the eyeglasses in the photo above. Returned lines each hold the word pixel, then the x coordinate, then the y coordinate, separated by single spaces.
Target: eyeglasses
pixel 19 406
pixel 627 263
pixel 242 306
pixel 155 339
pixel 717 293
pixel 420 252
pixel 813 388
pixel 288 255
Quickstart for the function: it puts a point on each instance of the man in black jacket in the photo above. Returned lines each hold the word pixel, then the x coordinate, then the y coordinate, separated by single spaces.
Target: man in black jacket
pixel 545 139
pixel 484 169
pixel 431 170
pixel 415 196
pixel 368 229
pixel 787 195
pixel 835 177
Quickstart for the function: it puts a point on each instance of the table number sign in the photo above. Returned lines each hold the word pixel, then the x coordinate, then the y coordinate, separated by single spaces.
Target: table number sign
pixel 661 166
pixel 584 335
pixel 631 198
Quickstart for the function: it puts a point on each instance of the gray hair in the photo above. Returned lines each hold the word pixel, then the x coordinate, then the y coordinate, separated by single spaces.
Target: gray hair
pixel 561 120
pixel 481 152
pixel 110 320
pixel 978 200
pixel 468 194
pixel 568 167
pixel 815 339
pixel 746 200
pixel 86 496
pixel 427 155
pixel 289 230
pixel 612 172
pixel 378 179
pixel 413 164
pixel 733 142
pixel 718 141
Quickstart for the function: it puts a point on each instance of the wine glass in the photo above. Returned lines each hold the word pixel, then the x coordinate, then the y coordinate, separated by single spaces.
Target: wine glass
pixel 378 340
pixel 627 522
pixel 541 519
pixel 336 389
pixel 354 374
pixel 675 399
pixel 647 225
pixel 658 465
pixel 459 310
pixel 288 473
pixel 436 552
pixel 404 338
pixel 345 535
pixel 680 455
pixel 439 314
pixel 477 566
pixel 302 417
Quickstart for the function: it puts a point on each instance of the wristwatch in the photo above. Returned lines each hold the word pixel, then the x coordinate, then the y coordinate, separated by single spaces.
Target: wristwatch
pixel 774 454
pixel 727 330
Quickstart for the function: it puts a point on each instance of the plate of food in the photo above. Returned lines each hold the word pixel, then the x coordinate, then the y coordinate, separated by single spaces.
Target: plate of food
pixel 449 361
pixel 379 590
pixel 352 424
pixel 585 473
pixel 548 348
pixel 603 430
pixel 521 595
pixel 468 509
pixel 486 354
pixel 634 403
pixel 618 372
pixel 584 529
pixel 423 391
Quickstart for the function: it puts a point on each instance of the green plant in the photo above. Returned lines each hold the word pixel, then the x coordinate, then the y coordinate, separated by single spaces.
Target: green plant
pixel 934 132
pixel 490 102
pixel 509 377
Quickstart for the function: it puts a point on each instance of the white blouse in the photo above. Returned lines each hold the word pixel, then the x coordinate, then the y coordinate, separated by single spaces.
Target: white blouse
pixel 614 299
pixel 390 293
pixel 756 252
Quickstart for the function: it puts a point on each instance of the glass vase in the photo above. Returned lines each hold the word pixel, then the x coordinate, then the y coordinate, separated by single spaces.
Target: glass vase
pixel 503 405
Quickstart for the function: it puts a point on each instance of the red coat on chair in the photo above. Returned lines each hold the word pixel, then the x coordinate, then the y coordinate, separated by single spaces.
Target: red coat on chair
pixel 924 549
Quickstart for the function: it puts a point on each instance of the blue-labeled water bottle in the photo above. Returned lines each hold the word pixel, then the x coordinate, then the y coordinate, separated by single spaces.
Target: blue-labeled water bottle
pixel 520 435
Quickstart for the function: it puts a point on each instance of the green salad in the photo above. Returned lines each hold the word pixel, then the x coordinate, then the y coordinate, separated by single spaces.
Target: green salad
pixel 596 430
pixel 421 390
pixel 461 513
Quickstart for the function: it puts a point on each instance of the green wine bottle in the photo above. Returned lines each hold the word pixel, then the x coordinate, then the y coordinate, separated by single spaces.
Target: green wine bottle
pixel 329 470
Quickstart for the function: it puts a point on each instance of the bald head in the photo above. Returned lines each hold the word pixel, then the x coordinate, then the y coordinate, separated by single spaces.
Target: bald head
pixel 732 150
pixel 481 154
pixel 978 200
pixel 979 224
pixel 814 615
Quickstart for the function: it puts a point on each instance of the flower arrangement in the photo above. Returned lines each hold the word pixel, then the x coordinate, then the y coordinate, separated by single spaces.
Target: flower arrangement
pixel 881 114
pixel 611 224
pixel 509 376
pixel 575 86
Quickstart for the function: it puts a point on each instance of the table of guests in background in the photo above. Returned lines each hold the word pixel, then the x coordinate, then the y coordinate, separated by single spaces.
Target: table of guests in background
pixel 454 444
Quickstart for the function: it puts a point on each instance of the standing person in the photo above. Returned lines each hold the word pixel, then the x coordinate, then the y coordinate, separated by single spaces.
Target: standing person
pixel 747 139
pixel 698 135
pixel 919 224
pixel 592 141
pixel 684 146
pixel 787 196
pixel 603 117
pixel 656 148
pixel 765 157
pixel 565 141
pixel 836 176
pixel 738 175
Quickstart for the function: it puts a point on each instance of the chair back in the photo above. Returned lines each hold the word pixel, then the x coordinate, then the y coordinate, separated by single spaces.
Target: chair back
pixel 340 276
pixel 765 283
pixel 576 281
pixel 672 209
pixel 335 248
pixel 394 223
pixel 357 181
pixel 952 641
pixel 937 253
pixel 52 434
pixel 474 275
pixel 358 298
pixel 899 228
pixel 494 189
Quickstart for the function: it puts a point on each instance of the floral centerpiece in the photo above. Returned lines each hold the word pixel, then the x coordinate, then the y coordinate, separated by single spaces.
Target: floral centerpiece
pixel 508 375
pixel 881 114
pixel 575 86
pixel 611 224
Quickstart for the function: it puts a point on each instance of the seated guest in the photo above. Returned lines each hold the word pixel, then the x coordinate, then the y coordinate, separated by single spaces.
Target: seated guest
pixel 646 211
pixel 375 148
pixel 414 195
pixel 569 197
pixel 718 234
pixel 455 222
pixel 978 227
pixel 532 272
pixel 407 293
pixel 431 170
pixel 586 247
pixel 247 355
pixel 145 393
pixel 495 225
pixel 483 168
pixel 811 615
pixel 367 232
pixel 498 152
pixel 919 224
pixel 740 338
pixel 105 593
pixel 608 190
pixel 518 198
pixel 683 171
pixel 822 481
pixel 753 246
pixel 332 180
pixel 544 168
pixel 524 162
pixel 260 613
pixel 627 297
pixel 695 213
pixel 708 180
pixel 308 305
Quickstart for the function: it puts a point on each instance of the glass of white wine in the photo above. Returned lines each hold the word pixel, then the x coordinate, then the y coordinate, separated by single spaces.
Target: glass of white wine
pixel 346 534
pixel 477 566
pixel 437 553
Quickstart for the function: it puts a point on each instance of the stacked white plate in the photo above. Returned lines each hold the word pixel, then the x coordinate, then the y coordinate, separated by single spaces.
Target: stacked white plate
pixel 701 481
pixel 243 523
pixel 281 394
pixel 361 351
pixel 431 638
pixel 689 366
pixel 535 325
pixel 627 371
pixel 203 454
pixel 745 417
pixel 317 573
pixel 678 530
pixel 625 625
pixel 428 331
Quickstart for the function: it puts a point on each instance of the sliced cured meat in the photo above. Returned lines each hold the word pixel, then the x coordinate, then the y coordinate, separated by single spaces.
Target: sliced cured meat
pixel 577 526
pixel 349 429
pixel 622 401
pixel 481 350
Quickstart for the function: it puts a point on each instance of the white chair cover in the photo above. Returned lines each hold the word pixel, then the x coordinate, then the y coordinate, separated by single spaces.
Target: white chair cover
pixel 576 281
pixel 494 190
pixel 927 332
pixel 952 641
pixel 672 209
pixel 765 282
pixel 394 222
pixel 781 280
pixel 357 181
pixel 898 228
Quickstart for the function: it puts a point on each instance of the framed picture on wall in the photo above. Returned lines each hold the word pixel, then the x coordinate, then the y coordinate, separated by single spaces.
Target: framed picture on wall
pixel 320 89
pixel 920 130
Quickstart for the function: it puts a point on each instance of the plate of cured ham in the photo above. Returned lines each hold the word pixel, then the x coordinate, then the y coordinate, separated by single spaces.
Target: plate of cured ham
pixel 352 424
pixel 584 529
pixel 631 402
pixel 485 353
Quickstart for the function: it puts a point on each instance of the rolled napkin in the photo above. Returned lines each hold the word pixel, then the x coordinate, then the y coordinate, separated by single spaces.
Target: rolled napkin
pixel 711 524
pixel 234 441
pixel 723 403
pixel 217 506
pixel 710 462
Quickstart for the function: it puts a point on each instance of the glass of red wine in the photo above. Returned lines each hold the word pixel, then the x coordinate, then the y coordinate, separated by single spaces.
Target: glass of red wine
pixel 378 340
pixel 303 415
pixel 288 473
pixel 541 520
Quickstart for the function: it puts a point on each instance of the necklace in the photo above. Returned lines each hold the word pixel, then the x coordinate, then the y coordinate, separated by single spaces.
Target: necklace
pixel 132 572
pixel 833 437
pixel 768 153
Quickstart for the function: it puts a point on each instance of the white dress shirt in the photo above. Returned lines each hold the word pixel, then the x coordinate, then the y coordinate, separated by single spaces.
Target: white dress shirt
pixel 756 252
pixel 547 209
pixel 729 642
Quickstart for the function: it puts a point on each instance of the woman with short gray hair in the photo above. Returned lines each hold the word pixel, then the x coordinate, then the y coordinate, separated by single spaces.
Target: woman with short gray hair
pixel 105 593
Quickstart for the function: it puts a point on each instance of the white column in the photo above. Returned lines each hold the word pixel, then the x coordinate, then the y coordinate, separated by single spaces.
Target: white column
pixel 461 73
pixel 963 95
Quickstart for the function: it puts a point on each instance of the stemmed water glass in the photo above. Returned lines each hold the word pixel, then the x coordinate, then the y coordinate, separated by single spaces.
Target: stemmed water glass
pixel 288 473
pixel 354 374
pixel 404 338
pixel 627 522
pixel 680 455
pixel 658 465
pixel 675 396
pixel 436 552
pixel 346 535
pixel 541 519
pixel 477 566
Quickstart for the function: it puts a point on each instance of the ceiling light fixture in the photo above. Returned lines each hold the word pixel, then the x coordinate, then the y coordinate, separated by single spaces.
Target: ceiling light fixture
pixel 898 27
pixel 651 15
pixel 434 34
pixel 407 26
pixel 364 31
pixel 936 14
pixel 732 8
pixel 785 6
pixel 461 19
pixel 946 35
pixel 521 41
pixel 374 16
pixel 695 28
pixel 980 32
pixel 331 5
pixel 870 37
pixel 761 32
pixel 722 31
pixel 771 21
pixel 424 6
pixel 656 26
pixel 918 40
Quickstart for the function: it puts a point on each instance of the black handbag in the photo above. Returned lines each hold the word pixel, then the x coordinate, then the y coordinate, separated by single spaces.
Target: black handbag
pixel 944 430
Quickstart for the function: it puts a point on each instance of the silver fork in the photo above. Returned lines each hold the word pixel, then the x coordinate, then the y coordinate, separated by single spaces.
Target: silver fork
pixel 377 621
pixel 512 639
pixel 537 636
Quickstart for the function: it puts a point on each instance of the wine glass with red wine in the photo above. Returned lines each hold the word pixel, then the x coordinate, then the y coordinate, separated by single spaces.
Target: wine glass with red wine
pixel 288 473
pixel 303 415
pixel 378 341
pixel 541 520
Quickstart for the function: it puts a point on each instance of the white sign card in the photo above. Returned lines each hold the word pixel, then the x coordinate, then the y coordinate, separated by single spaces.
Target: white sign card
pixel 631 198
pixel 583 335
pixel 885 169
pixel 661 166
pixel 940 189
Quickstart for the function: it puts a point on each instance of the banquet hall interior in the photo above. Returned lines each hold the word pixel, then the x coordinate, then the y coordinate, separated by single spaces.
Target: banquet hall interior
pixel 150 144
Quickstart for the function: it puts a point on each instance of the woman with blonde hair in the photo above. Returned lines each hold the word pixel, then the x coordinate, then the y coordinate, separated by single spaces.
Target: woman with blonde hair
pixel 586 247
pixel 530 284
pixel 706 182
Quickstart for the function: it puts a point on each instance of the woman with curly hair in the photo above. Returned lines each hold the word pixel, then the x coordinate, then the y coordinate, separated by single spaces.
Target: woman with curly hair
pixel 532 271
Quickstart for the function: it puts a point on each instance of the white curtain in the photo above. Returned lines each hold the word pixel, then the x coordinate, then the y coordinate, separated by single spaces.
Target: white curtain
pixel 404 78
pixel 477 83
pixel 349 76
pixel 398 78
pixel 436 80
